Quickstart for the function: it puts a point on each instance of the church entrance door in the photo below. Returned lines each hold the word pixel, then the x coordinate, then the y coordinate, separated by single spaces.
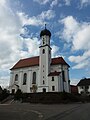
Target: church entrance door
pixel 44 89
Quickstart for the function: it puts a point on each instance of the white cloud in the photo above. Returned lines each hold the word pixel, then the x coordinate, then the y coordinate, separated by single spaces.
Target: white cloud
pixel 81 65
pixel 84 2
pixel 81 61
pixel 54 3
pixel 12 46
pixel 67 2
pixel 55 50
pixel 79 58
pixel 2 2
pixel 36 20
pixel 78 35
pixel 74 81
pixel 4 81
pixel 70 28
pixel 82 38
pixel 10 27
pixel 26 20
pixel 49 14
pixel 76 32
pixel 42 1
pixel 32 45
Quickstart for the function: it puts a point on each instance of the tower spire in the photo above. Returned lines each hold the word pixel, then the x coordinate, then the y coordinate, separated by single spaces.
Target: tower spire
pixel 45 26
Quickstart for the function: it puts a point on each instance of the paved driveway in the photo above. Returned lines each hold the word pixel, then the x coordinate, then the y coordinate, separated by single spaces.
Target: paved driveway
pixel 44 112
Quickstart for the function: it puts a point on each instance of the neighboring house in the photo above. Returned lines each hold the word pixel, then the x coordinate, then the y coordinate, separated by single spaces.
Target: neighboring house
pixel 41 73
pixel 74 89
pixel 84 86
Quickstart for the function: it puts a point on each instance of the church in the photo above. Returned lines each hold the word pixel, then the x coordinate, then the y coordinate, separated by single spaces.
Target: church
pixel 40 73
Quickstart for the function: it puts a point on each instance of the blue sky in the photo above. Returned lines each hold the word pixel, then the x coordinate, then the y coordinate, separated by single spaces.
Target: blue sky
pixel 69 22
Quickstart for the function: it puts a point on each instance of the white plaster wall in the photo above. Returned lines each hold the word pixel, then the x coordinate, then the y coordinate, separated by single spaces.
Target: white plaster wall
pixel 44 65
pixel 58 83
pixel 59 68
pixel 45 60
pixel 67 85
pixel 20 72
pixel 53 83
pixel 56 68
pixel 80 89
pixel 40 88
pixel 28 81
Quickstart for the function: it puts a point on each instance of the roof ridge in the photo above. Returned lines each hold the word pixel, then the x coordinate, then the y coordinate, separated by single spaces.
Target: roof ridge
pixel 38 56
pixel 30 57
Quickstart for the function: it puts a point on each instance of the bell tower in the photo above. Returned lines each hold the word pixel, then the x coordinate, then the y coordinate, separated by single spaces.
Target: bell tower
pixel 45 58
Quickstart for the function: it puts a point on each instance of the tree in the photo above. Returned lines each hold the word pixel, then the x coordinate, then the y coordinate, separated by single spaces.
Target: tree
pixel 4 94
pixel 0 89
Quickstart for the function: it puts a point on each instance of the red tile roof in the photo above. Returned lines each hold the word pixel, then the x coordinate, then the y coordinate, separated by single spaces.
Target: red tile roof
pixel 34 61
pixel 54 73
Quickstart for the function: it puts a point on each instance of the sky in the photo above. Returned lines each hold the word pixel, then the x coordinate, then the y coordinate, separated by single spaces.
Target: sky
pixel 69 22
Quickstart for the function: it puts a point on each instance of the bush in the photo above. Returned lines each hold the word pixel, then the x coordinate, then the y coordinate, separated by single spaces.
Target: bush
pixel 4 94
pixel 49 97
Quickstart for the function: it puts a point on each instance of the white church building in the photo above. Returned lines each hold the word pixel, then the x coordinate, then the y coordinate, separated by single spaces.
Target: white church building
pixel 41 73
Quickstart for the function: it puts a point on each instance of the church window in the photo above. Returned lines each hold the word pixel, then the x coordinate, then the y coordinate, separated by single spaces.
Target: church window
pixel 63 75
pixel 52 78
pixel 53 88
pixel 16 77
pixel 43 51
pixel 24 78
pixel 43 82
pixel 34 78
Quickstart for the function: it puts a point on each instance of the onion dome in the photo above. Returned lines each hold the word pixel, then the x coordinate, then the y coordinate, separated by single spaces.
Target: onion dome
pixel 45 32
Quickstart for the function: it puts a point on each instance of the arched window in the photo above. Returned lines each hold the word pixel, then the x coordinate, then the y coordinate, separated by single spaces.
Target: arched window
pixel 16 77
pixel 43 51
pixel 34 78
pixel 43 82
pixel 24 78
pixel 52 78
pixel 63 75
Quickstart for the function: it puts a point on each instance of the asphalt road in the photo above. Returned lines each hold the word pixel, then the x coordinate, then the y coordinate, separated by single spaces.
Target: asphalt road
pixel 45 112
